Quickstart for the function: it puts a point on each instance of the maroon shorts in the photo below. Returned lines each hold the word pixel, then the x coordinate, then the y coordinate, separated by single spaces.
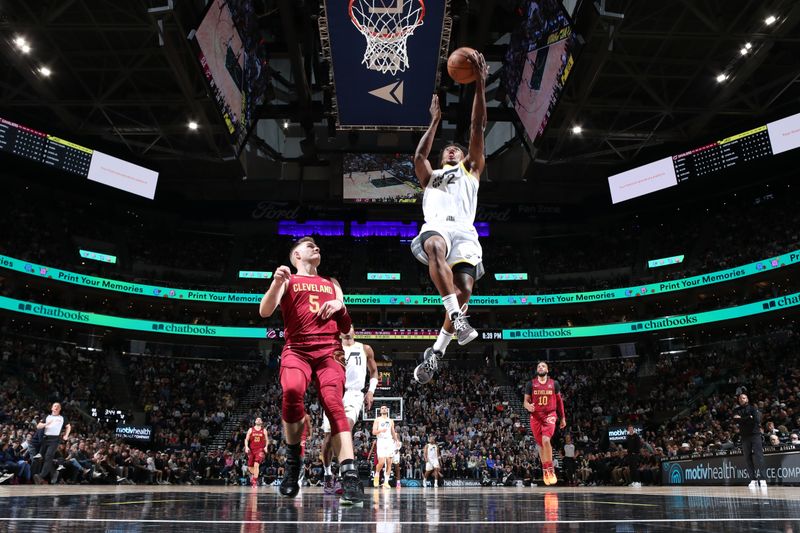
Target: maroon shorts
pixel 255 456
pixel 324 360
pixel 324 363
pixel 543 424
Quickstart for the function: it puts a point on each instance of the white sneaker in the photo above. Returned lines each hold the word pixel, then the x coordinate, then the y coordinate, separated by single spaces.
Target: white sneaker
pixel 464 331
pixel 753 484
pixel 763 483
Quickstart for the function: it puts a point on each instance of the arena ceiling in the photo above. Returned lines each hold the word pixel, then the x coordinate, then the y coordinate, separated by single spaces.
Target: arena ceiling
pixel 124 80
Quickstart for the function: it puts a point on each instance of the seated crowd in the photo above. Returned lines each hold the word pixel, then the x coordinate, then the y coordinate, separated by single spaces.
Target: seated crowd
pixel 480 426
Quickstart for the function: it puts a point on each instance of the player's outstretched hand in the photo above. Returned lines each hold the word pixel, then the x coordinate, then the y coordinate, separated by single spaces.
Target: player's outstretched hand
pixel 479 64
pixel 436 111
pixel 329 308
pixel 282 274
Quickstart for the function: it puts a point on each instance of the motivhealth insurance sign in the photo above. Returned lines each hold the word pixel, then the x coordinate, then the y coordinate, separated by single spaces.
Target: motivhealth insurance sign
pixel 782 467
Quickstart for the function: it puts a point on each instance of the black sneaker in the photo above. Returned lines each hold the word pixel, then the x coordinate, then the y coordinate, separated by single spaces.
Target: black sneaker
pixel 353 491
pixel 290 485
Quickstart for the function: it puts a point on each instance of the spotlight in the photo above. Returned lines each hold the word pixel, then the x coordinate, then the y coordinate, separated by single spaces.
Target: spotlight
pixel 770 20
pixel 743 51
pixel 748 45
pixel 44 71
pixel 20 41
pixel 722 77
pixel 193 125
pixel 25 48
pixel 576 129
pixel 285 124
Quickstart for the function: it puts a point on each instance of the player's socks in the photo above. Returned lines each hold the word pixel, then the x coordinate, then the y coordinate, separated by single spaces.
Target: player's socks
pixel 442 341
pixel 328 470
pixel 450 303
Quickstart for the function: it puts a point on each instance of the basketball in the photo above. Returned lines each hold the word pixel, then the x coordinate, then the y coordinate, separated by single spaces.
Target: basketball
pixel 459 66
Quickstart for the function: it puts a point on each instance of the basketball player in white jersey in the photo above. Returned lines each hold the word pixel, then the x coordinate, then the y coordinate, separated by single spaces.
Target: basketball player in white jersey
pixel 387 443
pixel 358 359
pixel 432 462
pixel 448 242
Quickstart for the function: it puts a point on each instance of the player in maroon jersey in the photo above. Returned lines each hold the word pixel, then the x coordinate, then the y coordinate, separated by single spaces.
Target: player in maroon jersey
pixel 313 315
pixel 543 401
pixel 255 442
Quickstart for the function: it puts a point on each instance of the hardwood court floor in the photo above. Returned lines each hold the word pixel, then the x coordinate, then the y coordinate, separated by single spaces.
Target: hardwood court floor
pixel 165 509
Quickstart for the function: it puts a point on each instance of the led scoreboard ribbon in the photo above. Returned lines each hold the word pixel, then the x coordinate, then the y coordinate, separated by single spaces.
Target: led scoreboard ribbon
pixel 250 298
pixel 601 330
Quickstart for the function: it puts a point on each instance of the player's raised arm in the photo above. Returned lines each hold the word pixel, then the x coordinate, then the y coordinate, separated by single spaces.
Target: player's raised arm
pixel 422 167
pixel 476 160
pixel 372 367
pixel 273 296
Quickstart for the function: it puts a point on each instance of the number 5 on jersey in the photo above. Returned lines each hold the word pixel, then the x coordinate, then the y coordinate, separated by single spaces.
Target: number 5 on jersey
pixel 313 303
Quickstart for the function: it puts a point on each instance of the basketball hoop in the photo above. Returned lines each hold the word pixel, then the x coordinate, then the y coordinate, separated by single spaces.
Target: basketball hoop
pixel 386 29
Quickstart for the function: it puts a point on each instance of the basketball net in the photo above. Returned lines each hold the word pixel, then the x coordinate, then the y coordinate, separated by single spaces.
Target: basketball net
pixel 386 30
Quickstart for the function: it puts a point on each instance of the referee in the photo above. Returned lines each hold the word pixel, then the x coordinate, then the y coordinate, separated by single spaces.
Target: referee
pixel 749 419
pixel 52 426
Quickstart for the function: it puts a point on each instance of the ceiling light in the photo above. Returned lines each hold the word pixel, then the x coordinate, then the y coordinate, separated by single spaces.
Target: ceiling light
pixel 20 41
pixel 193 125
pixel 44 71
pixel 285 124
pixel 770 20
pixel 576 129
pixel 743 51
pixel 748 45
pixel 25 48
pixel 722 77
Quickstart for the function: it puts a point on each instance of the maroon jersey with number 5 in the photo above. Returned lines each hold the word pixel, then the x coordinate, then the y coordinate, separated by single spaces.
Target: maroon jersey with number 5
pixel 302 299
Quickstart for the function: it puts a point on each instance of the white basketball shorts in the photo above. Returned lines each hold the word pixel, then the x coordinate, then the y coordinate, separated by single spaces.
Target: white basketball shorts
pixel 353 400
pixel 461 241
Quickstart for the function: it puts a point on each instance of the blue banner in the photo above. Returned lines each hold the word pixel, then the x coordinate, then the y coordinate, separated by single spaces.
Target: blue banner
pixel 400 97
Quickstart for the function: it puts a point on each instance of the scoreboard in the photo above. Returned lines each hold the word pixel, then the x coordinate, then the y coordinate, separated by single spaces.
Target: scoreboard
pixel 748 146
pixel 69 157
pixel 758 143
pixel 42 148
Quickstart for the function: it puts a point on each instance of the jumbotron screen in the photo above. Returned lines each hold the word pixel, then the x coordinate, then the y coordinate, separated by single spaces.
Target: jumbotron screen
pixel 233 60
pixel 538 62
pixel 380 178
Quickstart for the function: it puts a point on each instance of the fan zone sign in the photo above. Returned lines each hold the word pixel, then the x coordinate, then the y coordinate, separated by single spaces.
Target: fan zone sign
pixel 384 57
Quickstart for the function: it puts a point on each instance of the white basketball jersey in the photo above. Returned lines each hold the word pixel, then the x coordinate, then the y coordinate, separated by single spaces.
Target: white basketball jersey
pixel 387 424
pixel 432 455
pixel 355 359
pixel 451 196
